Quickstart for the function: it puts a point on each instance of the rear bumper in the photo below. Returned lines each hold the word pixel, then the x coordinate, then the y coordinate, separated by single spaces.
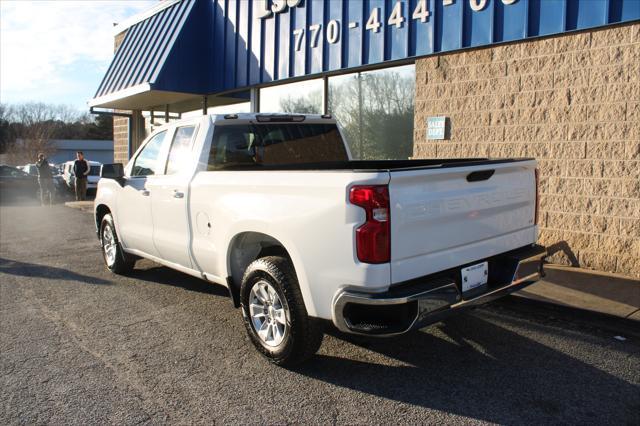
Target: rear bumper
pixel 423 301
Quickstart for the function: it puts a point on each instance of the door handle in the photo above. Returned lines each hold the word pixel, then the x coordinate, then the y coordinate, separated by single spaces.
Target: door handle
pixel 178 194
pixel 480 175
pixel 145 193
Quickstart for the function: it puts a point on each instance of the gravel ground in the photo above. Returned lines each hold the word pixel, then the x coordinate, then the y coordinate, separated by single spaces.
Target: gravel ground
pixel 79 345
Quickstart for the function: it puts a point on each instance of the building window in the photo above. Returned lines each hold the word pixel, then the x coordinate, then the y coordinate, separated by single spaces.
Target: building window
pixel 304 97
pixel 375 110
pixel 236 108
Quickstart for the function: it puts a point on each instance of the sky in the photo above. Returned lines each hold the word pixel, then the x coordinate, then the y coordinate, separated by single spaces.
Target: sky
pixel 56 51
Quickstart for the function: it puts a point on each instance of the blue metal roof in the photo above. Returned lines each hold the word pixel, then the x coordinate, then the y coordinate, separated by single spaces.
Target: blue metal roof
pixel 145 49
pixel 211 46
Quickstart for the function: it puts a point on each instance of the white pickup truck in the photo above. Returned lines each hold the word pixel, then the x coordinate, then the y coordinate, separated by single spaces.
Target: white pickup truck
pixel 274 208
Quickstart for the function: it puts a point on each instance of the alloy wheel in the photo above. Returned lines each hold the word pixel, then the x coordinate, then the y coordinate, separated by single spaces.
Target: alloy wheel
pixel 268 314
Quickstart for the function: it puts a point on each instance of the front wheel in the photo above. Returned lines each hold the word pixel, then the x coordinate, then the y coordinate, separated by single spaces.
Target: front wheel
pixel 274 313
pixel 115 258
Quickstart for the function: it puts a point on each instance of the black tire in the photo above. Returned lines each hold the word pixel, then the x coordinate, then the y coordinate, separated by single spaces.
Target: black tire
pixel 304 334
pixel 122 263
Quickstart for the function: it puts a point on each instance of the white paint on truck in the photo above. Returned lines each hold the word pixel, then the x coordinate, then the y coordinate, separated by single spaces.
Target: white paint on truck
pixel 191 217
pixel 439 219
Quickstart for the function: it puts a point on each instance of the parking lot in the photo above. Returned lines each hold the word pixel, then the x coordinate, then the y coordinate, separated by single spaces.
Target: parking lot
pixel 79 345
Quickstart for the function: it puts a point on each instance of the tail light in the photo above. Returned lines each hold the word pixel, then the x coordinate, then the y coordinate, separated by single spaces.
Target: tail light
pixel 373 238
pixel 535 220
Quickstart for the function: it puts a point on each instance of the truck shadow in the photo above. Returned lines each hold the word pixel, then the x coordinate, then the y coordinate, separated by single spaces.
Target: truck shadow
pixel 152 272
pixel 451 366
pixel 34 270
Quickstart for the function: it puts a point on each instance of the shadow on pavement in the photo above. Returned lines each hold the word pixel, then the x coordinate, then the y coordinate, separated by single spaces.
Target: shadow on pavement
pixel 26 269
pixel 168 276
pixel 607 286
pixel 453 373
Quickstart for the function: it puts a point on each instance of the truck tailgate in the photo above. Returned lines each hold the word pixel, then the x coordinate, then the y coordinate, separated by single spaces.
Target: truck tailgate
pixel 445 217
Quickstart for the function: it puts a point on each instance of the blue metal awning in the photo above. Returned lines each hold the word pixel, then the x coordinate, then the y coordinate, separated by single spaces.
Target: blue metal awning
pixel 149 48
pixel 183 49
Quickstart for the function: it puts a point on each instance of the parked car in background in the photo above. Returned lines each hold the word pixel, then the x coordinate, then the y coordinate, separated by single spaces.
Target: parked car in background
pixel 59 185
pixel 32 170
pixel 29 169
pixel 67 174
pixel 92 179
pixel 16 183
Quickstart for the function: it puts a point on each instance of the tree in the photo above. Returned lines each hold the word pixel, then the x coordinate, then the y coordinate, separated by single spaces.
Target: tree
pixel 310 103
pixel 28 128
pixel 5 129
pixel 375 110
pixel 37 123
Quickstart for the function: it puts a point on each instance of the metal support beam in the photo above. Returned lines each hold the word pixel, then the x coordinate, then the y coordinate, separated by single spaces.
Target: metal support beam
pixel 325 95
pixel 204 105
pixel 254 97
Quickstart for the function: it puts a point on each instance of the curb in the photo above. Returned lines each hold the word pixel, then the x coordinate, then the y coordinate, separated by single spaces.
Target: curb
pixel 86 207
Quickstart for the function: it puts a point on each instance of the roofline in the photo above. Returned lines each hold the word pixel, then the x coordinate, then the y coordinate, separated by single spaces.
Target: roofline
pixel 145 14
pixel 129 91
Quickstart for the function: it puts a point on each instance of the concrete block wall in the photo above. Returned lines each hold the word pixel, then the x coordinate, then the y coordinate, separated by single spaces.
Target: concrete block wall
pixel 120 139
pixel 120 124
pixel 572 102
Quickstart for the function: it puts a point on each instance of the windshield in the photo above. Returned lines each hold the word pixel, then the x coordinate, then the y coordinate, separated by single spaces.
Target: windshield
pixel 275 144
pixel 95 171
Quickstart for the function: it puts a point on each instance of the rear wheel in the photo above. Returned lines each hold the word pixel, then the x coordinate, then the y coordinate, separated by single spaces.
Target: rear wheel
pixel 115 258
pixel 274 313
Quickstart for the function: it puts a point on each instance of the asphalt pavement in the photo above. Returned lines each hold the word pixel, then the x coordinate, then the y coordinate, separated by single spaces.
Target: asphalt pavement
pixel 79 345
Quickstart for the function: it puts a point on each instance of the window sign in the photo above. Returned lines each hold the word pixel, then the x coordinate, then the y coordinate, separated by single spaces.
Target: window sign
pixel 436 128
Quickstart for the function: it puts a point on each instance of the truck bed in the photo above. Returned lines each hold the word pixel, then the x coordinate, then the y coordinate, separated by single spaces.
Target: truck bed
pixel 444 212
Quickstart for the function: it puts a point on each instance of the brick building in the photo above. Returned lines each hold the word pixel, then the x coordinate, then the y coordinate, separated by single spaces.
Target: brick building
pixel 573 103
pixel 558 80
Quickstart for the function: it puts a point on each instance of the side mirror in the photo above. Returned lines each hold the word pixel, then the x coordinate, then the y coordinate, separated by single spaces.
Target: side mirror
pixel 113 171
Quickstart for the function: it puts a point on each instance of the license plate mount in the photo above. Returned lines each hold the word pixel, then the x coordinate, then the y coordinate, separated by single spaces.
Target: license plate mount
pixel 475 277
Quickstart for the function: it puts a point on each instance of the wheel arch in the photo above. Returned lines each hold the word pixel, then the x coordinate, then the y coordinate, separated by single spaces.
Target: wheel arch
pixel 101 211
pixel 246 247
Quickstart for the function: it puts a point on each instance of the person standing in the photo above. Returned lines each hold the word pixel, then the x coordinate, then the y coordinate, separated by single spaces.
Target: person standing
pixel 81 171
pixel 45 179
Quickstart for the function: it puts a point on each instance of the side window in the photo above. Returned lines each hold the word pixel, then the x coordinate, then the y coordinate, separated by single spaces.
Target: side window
pixel 179 155
pixel 146 163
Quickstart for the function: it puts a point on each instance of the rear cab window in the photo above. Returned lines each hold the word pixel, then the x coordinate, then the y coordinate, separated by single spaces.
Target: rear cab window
pixel 255 145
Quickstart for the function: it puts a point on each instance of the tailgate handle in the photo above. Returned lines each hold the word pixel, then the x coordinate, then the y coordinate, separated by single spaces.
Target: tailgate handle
pixel 480 175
